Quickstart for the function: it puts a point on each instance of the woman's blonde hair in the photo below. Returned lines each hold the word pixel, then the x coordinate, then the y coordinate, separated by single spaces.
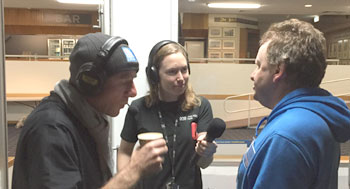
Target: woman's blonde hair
pixel 189 99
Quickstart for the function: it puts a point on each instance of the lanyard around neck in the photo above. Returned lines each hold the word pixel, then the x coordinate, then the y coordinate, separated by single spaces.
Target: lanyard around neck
pixel 172 160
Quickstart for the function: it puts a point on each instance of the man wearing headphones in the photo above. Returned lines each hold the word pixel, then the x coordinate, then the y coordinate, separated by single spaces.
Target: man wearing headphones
pixel 65 141
pixel 171 108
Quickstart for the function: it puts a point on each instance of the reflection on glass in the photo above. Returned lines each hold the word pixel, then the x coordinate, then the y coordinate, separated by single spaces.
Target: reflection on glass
pixel 234 34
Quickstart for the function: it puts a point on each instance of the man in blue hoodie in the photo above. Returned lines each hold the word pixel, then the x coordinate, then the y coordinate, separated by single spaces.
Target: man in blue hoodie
pixel 299 146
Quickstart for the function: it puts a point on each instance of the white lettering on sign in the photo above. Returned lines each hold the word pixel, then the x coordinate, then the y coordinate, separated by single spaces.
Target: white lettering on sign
pixel 76 19
pixel 68 19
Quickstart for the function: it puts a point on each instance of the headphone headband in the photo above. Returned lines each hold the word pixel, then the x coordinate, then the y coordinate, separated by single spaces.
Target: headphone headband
pixel 151 70
pixel 91 76
pixel 110 45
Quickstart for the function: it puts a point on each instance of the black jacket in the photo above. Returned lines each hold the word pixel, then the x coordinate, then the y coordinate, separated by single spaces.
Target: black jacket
pixel 55 151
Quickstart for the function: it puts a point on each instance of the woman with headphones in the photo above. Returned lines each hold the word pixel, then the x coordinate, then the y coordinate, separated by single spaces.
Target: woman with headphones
pixel 172 108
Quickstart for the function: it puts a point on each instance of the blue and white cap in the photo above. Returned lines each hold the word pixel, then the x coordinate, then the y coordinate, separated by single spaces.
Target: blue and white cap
pixel 88 48
pixel 122 59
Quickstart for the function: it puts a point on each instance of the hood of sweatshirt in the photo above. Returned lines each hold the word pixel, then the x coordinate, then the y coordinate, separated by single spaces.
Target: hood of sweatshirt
pixel 332 109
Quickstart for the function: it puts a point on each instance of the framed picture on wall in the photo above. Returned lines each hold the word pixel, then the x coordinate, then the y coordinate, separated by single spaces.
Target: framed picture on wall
pixel 214 54
pixel 214 44
pixel 228 32
pixel 228 44
pixel 195 49
pixel 215 32
pixel 228 54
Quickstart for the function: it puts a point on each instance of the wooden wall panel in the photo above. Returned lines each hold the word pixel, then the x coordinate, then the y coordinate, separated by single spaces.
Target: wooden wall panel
pixel 202 33
pixel 253 43
pixel 31 22
pixel 195 21
pixel 14 16
pixel 243 43
pixel 249 43
pixel 60 30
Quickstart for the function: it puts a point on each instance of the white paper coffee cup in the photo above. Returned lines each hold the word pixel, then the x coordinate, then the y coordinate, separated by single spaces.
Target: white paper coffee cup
pixel 147 137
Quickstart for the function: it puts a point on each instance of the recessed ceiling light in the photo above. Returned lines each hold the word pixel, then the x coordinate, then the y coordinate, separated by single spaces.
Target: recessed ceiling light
pixel 234 5
pixel 88 2
pixel 307 6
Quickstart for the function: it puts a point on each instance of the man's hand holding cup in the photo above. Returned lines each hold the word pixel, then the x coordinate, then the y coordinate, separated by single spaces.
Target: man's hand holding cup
pixel 150 154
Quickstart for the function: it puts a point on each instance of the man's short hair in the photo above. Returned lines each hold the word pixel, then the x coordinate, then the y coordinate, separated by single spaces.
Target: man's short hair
pixel 301 48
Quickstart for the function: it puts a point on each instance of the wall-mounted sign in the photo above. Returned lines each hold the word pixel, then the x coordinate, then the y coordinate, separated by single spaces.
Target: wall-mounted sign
pixel 224 19
pixel 69 18
pixel 234 20
pixel 231 20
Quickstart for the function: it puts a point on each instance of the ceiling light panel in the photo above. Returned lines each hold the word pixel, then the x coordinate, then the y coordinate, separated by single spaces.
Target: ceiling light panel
pixel 234 5
pixel 86 2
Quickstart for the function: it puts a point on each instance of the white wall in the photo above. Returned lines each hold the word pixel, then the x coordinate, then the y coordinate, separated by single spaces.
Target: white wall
pixel 31 77
pixel 225 78
pixel 143 26
pixel 215 78
pixel 234 79
pixel 34 76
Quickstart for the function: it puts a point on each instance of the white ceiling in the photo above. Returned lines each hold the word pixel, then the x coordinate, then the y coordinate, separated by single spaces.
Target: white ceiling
pixel 291 7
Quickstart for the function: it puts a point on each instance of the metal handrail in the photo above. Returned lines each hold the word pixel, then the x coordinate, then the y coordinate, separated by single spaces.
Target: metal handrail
pixel 334 81
pixel 250 94
pixel 249 109
pixel 242 110
pixel 234 96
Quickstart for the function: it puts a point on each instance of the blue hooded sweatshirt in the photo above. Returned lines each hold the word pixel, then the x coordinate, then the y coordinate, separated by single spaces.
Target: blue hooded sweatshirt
pixel 299 146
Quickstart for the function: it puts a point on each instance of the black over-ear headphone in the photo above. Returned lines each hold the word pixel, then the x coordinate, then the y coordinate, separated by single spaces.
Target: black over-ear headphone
pixel 151 69
pixel 91 76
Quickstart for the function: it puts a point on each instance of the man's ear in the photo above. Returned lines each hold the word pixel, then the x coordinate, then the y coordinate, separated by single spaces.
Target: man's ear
pixel 280 72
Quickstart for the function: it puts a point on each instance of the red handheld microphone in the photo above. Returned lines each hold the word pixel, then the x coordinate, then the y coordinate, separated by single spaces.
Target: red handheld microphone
pixel 194 130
